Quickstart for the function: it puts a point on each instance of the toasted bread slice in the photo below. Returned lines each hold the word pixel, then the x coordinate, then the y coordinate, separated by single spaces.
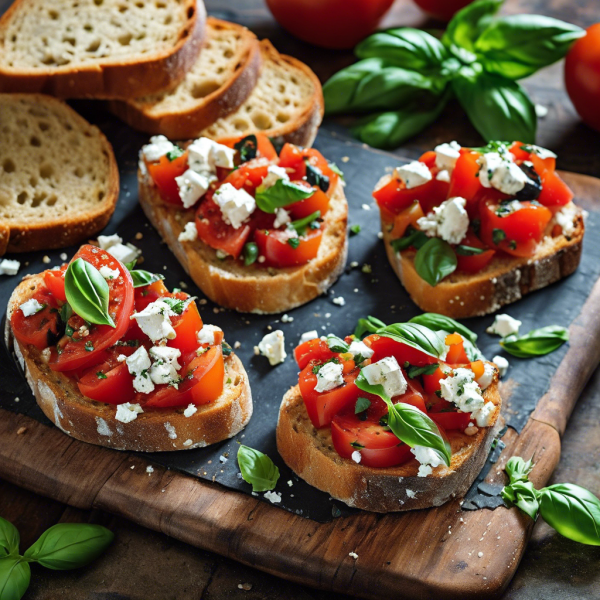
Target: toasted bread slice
pixel 309 452
pixel 98 48
pixel 156 430
pixel 251 288
pixel 505 280
pixel 59 180
pixel 220 80
pixel 286 103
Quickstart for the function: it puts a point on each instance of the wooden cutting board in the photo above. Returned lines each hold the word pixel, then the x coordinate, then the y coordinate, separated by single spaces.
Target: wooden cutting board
pixel 443 552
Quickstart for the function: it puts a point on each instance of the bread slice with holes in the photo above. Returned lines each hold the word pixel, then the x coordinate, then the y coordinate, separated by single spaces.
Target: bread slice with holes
pixel 157 430
pixel 59 181
pixel 505 280
pixel 251 288
pixel 218 83
pixel 309 452
pixel 99 48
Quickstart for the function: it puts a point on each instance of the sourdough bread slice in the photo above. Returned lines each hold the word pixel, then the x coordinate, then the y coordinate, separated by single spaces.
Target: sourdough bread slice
pixel 157 430
pixel 217 84
pixel 59 181
pixel 309 452
pixel 505 280
pixel 98 48
pixel 251 288
pixel 287 103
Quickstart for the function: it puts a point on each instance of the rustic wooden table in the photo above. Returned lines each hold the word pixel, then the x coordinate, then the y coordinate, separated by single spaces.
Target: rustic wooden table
pixel 144 565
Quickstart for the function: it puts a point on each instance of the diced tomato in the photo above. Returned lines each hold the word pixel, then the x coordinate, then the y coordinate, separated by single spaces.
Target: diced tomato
pixel 249 175
pixel 414 395
pixel 317 350
pixel 42 328
pixel 105 384
pixel 520 231
pixel 431 383
pixel 456 353
pixel 384 346
pixel 148 294
pixel 475 262
pixel 319 201
pixel 55 282
pixel 186 326
pixel 517 149
pixel 451 419
pixel 555 192
pixel 74 354
pixel 464 181
pixel 478 368
pixel 429 158
pixel 265 147
pixel 273 245
pixel 163 174
pixel 392 195
pixel 409 216
pixel 321 407
pixel 292 158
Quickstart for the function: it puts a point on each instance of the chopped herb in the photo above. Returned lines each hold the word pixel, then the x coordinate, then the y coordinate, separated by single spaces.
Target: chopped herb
pixel 176 305
pixel 228 380
pixel 89 347
pixel 411 237
pixel 65 312
pixel 101 375
pixel 131 264
pixel 362 404
pixel 438 393
pixel 301 225
pixel 356 445
pixel 175 153
pixel 69 331
pixel 476 225
pixel 358 358
pixel 498 235
pixel 250 253
pixel 512 244
pixel 294 242
pixel 413 371
pixel 336 344
pixel 468 250
pixel 355 229
pixel 226 349
pixel 317 368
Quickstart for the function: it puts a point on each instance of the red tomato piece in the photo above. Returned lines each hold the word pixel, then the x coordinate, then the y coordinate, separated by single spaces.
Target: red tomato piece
pixel 451 419
pixel 148 294
pixel 249 175
pixel 456 354
pixel 464 181
pixel 163 174
pixel 316 350
pixel 431 383
pixel 186 326
pixel 475 262
pixel 392 194
pixel 42 328
pixel 384 346
pixel 55 282
pixel 105 384
pixel 409 216
pixel 555 192
pixel 273 245
pixel 319 201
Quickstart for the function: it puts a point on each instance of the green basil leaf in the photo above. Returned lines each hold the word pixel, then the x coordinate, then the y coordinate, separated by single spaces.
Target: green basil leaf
pixel 142 278
pixel 87 292
pixel 257 469
pixel 301 225
pixel 250 253
pixel 537 342
pixel 496 106
pixel 130 265
pixel 468 250
pixel 368 325
pixel 438 322
pixel 337 344
pixel 518 469
pixel 176 152
pixel 404 47
pixel 9 538
pixel 354 229
pixel 516 46
pixel 416 336
pixel 247 147
pixel 70 545
pixel 15 575
pixel 361 405
pixel 467 25
pixel 573 511
pixel 65 312
pixel 336 170
pixel 412 237
pixel 414 371
pixel 175 304
pixel 523 495
pixel 435 260
pixel 281 194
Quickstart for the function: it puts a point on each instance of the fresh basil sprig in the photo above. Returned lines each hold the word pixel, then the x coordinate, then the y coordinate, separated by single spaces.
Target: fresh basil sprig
pixel 337 344
pixel 537 342
pixel 368 325
pixel 570 509
pixel 409 424
pixel 281 194
pixel 87 292
pixel 301 225
pixel 439 322
pixel 257 469
pixel 63 546
pixel 435 260
pixel 410 75
pixel 412 237
pixel 142 278
pixel 416 336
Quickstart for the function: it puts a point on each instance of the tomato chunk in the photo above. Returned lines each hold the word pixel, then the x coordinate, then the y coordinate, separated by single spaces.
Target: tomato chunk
pixel 41 329
pixel 317 350
pixel 475 262
pixel 451 419
pixel 278 252
pixel 105 384
pixel 163 173
pixel 384 346
pixel 55 282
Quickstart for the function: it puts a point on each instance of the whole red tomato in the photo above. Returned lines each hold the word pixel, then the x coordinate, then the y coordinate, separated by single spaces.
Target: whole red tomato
pixel 329 23
pixel 582 76
pixel 442 9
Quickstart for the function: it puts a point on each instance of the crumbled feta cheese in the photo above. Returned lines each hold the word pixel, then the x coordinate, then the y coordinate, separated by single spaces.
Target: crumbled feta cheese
pixel 565 217
pixel 443 176
pixel 282 217
pixel 308 335
pixel 190 410
pixel 287 319
pixel 339 301
pixel 357 348
pixel 236 205
pixel 504 325
pixel 413 174
pixel 124 253
pixel 411 494
pixel 502 364
pixel 106 242
pixel 128 412
pixel 488 376
pixel 165 366
pixel 149 469
pixel 9 267
pixel 501 173
pixel 540 111
pixel 171 431
pixel 155 321
pixel 189 233
pixel 31 307
pixel 273 347
pixel 274 174
pixel 366 207
pixel 461 389
pixel 356 456
pixel 207 334
pixel 159 145
pixel 139 365
pixel 329 376
pixel 353 555
pixel 204 155
pixel 428 458
pixel 109 273
pixel 192 186
pixel 483 416
pixel 274 497
pixel 446 156
pixel 386 372
pixel 448 221
pixel 121 358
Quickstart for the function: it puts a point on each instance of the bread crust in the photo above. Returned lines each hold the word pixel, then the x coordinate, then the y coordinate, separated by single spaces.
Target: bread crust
pixel 254 288
pixel 70 229
pixel 503 281
pixel 182 124
pixel 309 452
pixel 158 430
pixel 122 79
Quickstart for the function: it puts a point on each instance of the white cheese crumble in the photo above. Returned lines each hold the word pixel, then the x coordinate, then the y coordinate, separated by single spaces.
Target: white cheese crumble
pixel 356 456
pixel 488 376
pixel 542 152
pixel 353 555
pixel 138 365
pixel 413 174
pixel 106 242
pixel 205 155
pixel 124 253
pixel 501 173
pixel 190 410
pixel 236 205
pixel 128 412
pixel 192 186
pixel 165 366
pixel 273 347
pixel 386 372
pixel 159 145
pixel 443 176
pixel 207 334
pixel 109 273
pixel 504 325
pixel 565 217
pixel 357 348
pixel 329 376
pixel 446 156
pixel 448 221
pixel 189 233
pixel 155 321
pixel 461 389
pixel 171 431
pixel 274 497
pixel 483 416
pixel 31 307
pixel 308 335
pixel 282 217
pixel 428 458
pixel 340 301
pixel 502 364
pixel 149 469
pixel 9 267
pixel 411 494
pixel 274 174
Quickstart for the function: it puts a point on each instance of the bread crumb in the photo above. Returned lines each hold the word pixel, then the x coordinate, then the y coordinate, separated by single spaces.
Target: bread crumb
pixel 380 235
pixel 480 554
pixel 237 345
pixel 132 467
pixel 353 555
pixel 353 264
pixel 286 319
pixel 345 159
pixel 46 260
pixel 183 285
pixel 202 301
pixel 245 586
pixel 17 399
pixel 290 482
pixel 256 350
pixel 139 235
pixel 63 256
pixel 21 430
